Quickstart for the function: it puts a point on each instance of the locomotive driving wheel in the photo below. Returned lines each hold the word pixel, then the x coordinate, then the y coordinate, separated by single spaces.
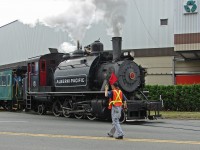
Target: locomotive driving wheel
pixel 79 115
pixel 67 106
pixel 57 108
pixel 91 116
pixel 41 109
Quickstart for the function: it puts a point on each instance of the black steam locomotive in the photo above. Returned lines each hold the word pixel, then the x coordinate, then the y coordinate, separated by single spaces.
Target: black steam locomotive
pixel 72 84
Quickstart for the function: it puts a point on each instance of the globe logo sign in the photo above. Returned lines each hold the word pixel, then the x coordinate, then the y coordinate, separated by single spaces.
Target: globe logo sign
pixel 190 6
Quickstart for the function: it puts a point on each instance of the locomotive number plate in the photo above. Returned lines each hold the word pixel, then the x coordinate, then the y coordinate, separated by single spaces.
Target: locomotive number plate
pixel 80 80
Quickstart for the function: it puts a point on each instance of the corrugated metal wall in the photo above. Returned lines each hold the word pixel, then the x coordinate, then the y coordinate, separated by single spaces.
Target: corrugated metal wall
pixel 186 26
pixel 18 42
pixel 186 23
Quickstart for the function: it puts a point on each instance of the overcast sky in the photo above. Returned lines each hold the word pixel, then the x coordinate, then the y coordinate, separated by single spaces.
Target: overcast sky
pixel 11 10
pixel 31 11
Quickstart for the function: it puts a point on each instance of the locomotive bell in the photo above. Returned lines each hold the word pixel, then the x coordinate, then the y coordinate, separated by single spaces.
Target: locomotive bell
pixel 95 47
pixel 117 47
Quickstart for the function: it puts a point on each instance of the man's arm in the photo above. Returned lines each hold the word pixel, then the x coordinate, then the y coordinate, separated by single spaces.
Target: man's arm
pixel 108 93
pixel 106 90
pixel 125 99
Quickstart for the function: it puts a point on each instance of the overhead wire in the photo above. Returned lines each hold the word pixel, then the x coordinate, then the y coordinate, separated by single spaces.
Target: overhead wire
pixel 145 26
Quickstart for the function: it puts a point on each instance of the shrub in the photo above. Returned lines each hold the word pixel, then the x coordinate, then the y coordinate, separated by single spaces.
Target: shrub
pixel 176 97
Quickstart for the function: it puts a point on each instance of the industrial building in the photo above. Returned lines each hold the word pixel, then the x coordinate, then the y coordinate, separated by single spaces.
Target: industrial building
pixel 164 35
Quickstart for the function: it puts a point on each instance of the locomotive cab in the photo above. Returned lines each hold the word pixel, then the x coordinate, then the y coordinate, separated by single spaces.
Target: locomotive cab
pixel 40 72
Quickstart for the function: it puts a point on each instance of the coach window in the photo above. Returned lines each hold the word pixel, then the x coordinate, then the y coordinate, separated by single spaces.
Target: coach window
pixel 0 80
pixel 8 80
pixel 4 81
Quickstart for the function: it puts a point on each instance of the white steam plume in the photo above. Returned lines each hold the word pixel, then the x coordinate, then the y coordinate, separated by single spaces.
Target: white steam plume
pixel 73 16
pixel 67 47
pixel 114 12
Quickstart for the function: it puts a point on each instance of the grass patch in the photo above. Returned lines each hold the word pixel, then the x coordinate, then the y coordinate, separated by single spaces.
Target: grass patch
pixel 180 115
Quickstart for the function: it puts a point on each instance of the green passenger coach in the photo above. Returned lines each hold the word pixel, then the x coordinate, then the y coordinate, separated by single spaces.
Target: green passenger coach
pixel 6 91
pixel 10 93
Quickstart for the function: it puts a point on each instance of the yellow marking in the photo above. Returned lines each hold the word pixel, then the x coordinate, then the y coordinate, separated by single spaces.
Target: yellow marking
pixel 118 95
pixel 118 99
pixel 101 138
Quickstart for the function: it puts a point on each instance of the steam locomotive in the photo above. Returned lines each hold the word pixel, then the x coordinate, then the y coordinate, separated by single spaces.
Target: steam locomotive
pixel 72 84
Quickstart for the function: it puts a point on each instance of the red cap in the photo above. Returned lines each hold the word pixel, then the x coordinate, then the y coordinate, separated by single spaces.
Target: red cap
pixel 113 78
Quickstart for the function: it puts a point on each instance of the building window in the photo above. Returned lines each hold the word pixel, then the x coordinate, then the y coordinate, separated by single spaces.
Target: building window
pixel 163 22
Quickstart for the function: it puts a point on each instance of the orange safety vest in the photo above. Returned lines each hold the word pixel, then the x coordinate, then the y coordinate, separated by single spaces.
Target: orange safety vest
pixel 116 100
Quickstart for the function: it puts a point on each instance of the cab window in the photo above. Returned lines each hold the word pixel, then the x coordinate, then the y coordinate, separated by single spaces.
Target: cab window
pixel 33 67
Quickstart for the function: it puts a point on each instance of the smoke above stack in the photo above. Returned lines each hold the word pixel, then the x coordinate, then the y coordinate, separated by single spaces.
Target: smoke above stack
pixel 114 12
pixel 73 16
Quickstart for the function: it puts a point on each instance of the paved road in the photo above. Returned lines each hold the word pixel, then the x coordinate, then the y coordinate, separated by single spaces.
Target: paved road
pixel 29 131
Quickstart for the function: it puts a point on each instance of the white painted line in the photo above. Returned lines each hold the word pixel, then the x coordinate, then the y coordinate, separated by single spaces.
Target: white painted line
pixel 13 121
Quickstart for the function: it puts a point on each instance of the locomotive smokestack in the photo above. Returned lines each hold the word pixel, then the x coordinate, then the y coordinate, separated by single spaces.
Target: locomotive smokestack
pixel 117 47
pixel 78 45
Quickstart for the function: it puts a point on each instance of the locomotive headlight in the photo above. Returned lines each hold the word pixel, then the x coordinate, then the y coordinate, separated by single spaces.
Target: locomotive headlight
pixel 125 53
pixel 132 53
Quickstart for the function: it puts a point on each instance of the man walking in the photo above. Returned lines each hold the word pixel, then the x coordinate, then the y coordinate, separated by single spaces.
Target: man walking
pixel 116 102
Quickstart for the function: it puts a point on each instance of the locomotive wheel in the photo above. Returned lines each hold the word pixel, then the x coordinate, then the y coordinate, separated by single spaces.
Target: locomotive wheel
pixel 41 109
pixel 123 117
pixel 57 108
pixel 68 107
pixel 91 117
pixel 78 115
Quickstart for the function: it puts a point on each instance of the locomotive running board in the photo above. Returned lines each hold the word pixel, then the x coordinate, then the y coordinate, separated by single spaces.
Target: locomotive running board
pixel 87 92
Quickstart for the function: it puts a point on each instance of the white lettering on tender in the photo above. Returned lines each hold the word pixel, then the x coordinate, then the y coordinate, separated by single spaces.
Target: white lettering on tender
pixel 77 80
pixel 74 80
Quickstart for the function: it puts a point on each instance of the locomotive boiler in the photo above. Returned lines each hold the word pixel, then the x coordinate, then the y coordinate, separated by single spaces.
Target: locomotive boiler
pixel 89 72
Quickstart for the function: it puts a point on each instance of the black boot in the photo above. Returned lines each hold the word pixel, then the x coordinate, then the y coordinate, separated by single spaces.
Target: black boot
pixel 119 137
pixel 110 135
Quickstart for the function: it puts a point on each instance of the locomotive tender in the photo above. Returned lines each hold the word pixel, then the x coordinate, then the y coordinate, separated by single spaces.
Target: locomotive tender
pixel 72 84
